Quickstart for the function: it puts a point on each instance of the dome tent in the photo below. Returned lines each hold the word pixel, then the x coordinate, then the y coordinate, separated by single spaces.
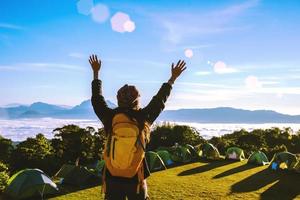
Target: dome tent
pixel 154 161
pixel 297 167
pixel 166 157
pixel 99 166
pixel 283 160
pixel 192 151
pixel 181 154
pixel 30 183
pixel 235 153
pixel 76 175
pixel 96 168
pixel 209 151
pixel 258 158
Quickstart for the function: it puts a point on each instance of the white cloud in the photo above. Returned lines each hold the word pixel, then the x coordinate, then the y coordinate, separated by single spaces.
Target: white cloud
pixel 203 73
pixel 178 48
pixel 77 55
pixel 252 82
pixel 282 90
pixel 239 89
pixel 121 23
pixel 182 25
pixel 100 13
pixel 209 86
pixel 85 6
pixel 216 97
pixel 51 65
pixel 189 94
pixel 221 68
pixel 148 63
pixel 236 10
pixel 189 53
pixel 37 66
pixel 10 26
pixel 269 82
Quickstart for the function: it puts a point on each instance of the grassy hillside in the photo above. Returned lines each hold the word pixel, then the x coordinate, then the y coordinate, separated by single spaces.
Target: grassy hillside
pixel 215 180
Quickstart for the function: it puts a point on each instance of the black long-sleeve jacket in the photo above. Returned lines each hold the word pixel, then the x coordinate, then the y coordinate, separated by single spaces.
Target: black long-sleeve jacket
pixel 150 112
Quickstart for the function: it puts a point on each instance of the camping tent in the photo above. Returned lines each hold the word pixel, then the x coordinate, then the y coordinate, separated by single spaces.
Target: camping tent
pixel 96 167
pixel 235 153
pixel 192 151
pixel 99 166
pixel 258 158
pixel 209 151
pixel 181 154
pixel 283 160
pixel 30 183
pixel 297 167
pixel 76 175
pixel 166 157
pixel 64 170
pixel 154 161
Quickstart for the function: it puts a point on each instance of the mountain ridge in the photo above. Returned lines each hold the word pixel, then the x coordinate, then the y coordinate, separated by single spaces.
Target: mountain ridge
pixel 199 115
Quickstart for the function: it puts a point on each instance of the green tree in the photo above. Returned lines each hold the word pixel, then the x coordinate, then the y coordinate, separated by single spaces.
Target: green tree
pixel 220 143
pixel 271 137
pixel 186 135
pixel 167 135
pixel 6 148
pixel 251 142
pixel 73 144
pixel 3 176
pixel 160 136
pixel 33 153
pixel 99 142
pixel 295 143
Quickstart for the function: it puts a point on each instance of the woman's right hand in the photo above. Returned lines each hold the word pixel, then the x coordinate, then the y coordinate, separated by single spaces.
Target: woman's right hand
pixel 177 70
pixel 95 63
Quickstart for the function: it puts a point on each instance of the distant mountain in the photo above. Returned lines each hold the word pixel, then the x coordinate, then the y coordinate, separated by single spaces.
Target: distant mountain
pixel 87 105
pixel 45 108
pixel 211 115
pixel 31 114
pixel 13 105
pixel 82 111
pixel 14 112
pixel 228 115
pixel 40 109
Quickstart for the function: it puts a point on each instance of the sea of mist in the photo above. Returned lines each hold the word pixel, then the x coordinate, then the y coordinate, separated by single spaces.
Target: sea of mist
pixel 19 130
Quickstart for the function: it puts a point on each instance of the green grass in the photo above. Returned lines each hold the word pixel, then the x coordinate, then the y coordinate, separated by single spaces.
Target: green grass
pixel 214 180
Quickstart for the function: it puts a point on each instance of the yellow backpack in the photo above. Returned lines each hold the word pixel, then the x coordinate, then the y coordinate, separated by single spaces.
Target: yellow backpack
pixel 125 149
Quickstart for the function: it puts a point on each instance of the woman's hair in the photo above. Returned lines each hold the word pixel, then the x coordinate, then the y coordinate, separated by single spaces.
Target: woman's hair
pixel 128 97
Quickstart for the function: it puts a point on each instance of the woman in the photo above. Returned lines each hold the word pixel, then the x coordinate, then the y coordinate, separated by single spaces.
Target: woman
pixel 119 181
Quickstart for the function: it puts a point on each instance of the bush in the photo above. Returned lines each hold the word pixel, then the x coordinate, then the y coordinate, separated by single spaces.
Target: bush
pixel 3 176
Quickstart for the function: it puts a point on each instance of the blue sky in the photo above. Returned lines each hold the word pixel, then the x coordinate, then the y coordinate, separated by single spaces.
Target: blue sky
pixel 242 54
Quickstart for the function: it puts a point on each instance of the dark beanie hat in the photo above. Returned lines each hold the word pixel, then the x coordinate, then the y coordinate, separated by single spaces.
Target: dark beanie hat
pixel 128 96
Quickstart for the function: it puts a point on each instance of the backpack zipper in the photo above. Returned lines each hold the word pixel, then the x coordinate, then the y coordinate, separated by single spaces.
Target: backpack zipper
pixel 113 149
